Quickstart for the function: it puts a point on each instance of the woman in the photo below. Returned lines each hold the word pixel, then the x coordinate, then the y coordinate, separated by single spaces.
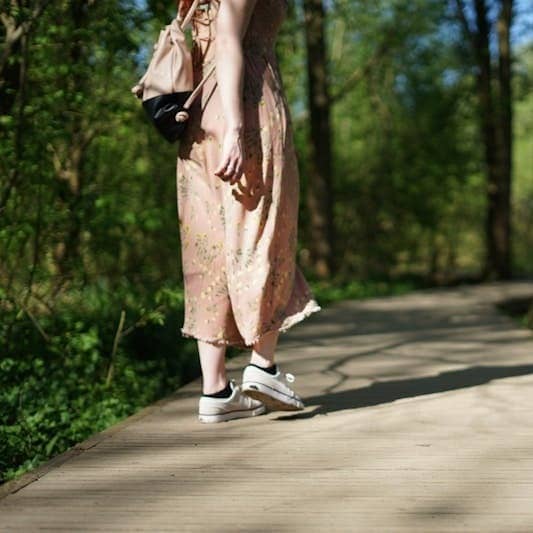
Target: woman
pixel 238 190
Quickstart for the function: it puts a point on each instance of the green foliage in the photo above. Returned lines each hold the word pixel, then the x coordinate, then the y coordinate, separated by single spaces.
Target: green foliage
pixel 409 197
pixel 327 292
pixel 54 386
pixel 523 154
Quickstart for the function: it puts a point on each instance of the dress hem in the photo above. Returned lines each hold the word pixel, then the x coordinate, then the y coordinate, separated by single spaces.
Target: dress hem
pixel 286 323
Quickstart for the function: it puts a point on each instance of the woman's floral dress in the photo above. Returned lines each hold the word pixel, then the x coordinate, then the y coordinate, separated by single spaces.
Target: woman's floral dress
pixel 239 241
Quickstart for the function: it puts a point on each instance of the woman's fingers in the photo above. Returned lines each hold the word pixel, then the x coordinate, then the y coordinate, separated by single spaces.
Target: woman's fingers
pixel 224 164
pixel 229 169
pixel 233 169
pixel 224 174
pixel 237 172
pixel 219 171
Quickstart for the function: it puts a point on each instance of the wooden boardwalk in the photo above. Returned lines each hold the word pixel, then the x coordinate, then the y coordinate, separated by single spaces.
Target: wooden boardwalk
pixel 419 417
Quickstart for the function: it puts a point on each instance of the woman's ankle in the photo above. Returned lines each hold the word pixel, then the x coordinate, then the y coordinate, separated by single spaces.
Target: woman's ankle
pixel 212 387
pixel 261 360
pixel 264 349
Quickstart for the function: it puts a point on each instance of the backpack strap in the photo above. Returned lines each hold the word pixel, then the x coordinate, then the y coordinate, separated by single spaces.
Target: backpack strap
pixel 184 22
pixel 196 90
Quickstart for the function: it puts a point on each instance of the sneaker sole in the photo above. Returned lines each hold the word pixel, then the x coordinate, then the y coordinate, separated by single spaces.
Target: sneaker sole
pixel 273 399
pixel 231 415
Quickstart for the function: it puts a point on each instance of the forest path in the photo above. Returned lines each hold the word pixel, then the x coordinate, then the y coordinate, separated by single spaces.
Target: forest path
pixel 418 418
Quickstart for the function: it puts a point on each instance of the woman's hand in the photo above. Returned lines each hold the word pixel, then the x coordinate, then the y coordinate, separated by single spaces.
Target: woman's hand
pixel 230 167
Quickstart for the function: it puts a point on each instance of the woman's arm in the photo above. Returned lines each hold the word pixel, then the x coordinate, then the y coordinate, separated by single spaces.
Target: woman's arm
pixel 232 20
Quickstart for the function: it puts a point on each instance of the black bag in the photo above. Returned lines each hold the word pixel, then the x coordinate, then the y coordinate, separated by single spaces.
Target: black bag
pixel 166 88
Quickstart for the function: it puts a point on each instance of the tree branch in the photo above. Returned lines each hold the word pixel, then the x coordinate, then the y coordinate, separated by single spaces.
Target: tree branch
pixel 461 15
pixel 14 33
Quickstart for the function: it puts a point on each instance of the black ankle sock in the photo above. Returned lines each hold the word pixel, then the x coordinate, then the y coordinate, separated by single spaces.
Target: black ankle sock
pixel 223 393
pixel 271 369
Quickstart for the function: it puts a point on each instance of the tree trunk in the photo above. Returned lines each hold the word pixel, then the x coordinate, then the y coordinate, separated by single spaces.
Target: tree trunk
pixel 69 155
pixel 495 107
pixel 499 257
pixel 319 189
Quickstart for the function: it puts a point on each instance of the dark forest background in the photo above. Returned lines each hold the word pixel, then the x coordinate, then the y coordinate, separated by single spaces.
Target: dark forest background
pixel 414 129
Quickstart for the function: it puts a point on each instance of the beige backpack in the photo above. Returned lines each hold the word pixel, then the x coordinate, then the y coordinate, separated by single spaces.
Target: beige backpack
pixel 167 87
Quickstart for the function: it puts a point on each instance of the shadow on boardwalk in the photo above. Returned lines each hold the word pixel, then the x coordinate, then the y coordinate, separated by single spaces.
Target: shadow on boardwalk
pixel 414 320
pixel 389 391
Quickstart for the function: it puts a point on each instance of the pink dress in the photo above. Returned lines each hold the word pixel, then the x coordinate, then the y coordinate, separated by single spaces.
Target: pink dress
pixel 239 241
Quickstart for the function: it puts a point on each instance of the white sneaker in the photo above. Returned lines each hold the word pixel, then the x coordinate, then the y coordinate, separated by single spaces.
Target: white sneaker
pixel 271 389
pixel 221 409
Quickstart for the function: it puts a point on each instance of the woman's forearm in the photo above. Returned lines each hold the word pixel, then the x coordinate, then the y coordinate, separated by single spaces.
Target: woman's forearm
pixel 232 21
pixel 230 70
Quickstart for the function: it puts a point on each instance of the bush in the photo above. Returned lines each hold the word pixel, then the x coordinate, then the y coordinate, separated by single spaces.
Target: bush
pixel 63 383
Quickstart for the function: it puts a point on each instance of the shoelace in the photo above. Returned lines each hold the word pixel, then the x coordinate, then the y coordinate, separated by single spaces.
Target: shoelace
pixel 289 377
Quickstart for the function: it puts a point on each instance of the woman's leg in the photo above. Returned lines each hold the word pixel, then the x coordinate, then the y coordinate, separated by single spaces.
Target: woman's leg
pixel 213 363
pixel 264 348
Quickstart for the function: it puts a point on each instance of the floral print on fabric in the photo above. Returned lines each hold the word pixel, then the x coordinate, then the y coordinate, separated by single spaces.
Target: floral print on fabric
pixel 239 241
